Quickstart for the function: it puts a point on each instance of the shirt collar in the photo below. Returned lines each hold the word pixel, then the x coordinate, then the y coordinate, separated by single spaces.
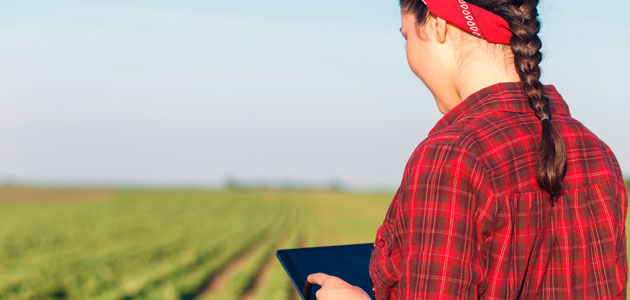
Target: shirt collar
pixel 504 96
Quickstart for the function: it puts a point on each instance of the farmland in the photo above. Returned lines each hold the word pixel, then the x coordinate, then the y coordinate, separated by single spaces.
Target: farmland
pixel 169 244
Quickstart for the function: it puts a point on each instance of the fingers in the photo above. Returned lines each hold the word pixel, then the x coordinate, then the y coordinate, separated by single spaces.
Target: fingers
pixel 318 278
pixel 333 287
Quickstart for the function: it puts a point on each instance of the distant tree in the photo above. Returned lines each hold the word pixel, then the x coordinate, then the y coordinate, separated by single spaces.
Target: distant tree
pixel 335 184
pixel 232 183
pixel 7 182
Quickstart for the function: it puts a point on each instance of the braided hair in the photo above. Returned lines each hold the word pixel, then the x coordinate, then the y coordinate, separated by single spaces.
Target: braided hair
pixel 522 16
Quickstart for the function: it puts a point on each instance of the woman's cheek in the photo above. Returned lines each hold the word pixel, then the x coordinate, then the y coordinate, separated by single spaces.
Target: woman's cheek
pixel 413 59
pixel 417 60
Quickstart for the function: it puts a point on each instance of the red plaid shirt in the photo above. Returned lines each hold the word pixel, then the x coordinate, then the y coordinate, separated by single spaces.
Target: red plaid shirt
pixel 470 222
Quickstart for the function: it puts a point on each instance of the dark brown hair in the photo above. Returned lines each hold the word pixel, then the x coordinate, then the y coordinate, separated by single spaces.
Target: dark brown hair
pixel 522 16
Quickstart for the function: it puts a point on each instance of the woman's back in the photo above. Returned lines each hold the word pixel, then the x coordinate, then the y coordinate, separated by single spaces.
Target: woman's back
pixel 583 250
pixel 505 239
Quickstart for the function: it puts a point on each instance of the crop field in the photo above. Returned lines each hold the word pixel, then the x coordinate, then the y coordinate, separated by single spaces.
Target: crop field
pixel 169 244
pixel 159 244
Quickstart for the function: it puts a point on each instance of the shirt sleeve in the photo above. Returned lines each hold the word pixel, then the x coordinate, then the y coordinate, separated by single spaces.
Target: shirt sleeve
pixel 621 272
pixel 384 262
pixel 434 232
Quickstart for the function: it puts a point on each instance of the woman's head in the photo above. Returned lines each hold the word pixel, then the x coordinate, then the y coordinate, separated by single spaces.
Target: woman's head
pixel 438 53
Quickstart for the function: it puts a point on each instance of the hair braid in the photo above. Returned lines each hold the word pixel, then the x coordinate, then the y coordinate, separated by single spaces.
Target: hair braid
pixel 526 46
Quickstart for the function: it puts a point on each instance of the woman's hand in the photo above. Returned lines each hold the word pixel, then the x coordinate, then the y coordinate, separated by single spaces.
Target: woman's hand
pixel 333 288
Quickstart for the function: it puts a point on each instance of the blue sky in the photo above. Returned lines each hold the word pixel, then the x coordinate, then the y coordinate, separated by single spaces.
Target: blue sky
pixel 192 92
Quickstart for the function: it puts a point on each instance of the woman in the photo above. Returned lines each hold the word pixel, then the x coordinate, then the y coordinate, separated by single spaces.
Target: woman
pixel 508 197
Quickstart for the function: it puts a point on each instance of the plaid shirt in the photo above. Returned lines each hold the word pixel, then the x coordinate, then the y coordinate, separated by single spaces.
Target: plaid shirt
pixel 470 222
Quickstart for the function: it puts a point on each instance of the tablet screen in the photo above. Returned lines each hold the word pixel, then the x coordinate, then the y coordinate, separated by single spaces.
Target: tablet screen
pixel 348 262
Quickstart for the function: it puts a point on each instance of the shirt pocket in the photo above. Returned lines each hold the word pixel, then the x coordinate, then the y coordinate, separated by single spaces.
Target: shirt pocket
pixel 383 269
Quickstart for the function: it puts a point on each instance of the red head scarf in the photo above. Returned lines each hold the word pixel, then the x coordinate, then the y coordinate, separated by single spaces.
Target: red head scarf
pixel 473 19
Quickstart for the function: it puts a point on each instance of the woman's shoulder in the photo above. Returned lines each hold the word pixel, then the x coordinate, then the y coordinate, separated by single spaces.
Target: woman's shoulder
pixel 463 137
pixel 455 150
pixel 506 145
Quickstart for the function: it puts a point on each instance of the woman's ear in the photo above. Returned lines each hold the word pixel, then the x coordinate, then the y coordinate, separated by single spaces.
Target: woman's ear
pixel 440 29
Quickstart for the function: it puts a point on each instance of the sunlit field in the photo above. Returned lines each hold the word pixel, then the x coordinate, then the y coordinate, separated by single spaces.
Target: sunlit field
pixel 131 244
pixel 169 244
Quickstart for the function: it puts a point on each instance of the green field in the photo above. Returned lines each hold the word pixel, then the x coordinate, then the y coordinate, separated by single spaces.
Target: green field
pixel 132 244
pixel 169 244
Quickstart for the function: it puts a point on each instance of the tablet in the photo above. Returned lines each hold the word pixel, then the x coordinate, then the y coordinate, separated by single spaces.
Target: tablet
pixel 348 262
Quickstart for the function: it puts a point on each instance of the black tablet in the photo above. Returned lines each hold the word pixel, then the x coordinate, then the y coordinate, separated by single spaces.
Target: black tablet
pixel 348 262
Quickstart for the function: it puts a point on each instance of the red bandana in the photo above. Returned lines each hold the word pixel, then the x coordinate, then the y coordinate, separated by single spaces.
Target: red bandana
pixel 473 19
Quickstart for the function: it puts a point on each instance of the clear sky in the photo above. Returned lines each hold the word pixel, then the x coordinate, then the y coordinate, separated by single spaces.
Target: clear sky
pixel 191 92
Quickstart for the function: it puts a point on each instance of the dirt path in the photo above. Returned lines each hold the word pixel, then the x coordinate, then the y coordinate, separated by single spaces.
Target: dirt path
pixel 262 276
pixel 219 279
